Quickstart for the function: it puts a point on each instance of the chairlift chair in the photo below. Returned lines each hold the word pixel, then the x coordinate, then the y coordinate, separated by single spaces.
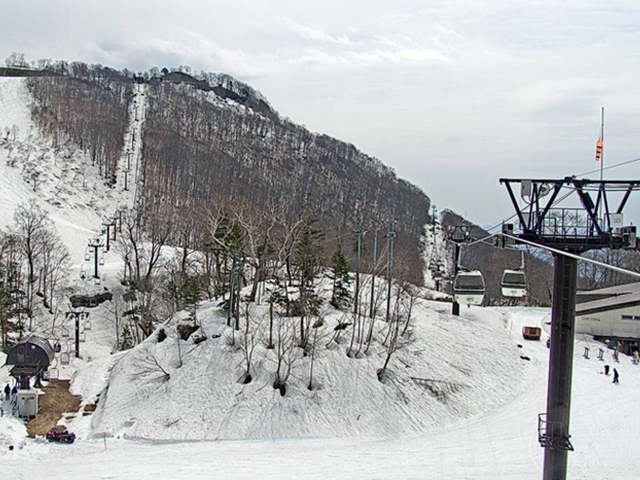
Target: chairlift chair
pixel 513 284
pixel 468 287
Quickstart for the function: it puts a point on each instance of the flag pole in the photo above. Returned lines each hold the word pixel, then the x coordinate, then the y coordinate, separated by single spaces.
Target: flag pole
pixel 602 139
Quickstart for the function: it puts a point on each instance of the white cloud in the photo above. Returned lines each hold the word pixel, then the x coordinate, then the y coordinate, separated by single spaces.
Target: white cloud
pixel 373 57
pixel 316 33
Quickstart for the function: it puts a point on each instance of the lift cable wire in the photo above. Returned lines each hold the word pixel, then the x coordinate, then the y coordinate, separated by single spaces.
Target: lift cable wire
pixel 559 252
pixel 627 162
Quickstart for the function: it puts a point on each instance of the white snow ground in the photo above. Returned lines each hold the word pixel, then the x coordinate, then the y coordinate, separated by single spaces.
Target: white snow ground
pixel 484 432
pixel 494 444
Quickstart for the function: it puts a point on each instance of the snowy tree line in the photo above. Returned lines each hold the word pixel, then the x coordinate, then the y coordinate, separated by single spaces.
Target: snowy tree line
pixel 87 109
pixel 33 266
pixel 266 270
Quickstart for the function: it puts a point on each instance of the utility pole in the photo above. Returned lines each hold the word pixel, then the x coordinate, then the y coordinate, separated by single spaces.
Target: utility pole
pixel 359 232
pixel 239 273
pixel 96 244
pixel 585 230
pixel 375 260
pixel 455 306
pixel 391 235
pixel 232 280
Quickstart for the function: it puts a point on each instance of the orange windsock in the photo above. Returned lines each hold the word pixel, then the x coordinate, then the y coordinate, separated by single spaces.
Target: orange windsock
pixel 599 145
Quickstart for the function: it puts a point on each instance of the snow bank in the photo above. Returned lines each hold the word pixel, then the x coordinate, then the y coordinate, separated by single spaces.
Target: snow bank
pixel 472 362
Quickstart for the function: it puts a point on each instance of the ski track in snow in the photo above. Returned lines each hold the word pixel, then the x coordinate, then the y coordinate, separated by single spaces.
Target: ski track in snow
pixel 496 440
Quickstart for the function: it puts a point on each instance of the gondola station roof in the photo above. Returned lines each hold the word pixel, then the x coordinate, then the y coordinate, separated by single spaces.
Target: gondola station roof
pixel 30 356
pixel 607 299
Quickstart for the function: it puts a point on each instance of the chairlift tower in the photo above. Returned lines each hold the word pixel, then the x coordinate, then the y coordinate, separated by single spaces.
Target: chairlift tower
pixel 107 231
pixel 96 244
pixel 77 316
pixel 575 231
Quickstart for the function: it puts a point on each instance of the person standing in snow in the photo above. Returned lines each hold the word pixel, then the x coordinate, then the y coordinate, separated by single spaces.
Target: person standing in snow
pixel 606 370
pixel 7 391
pixel 616 377
pixel 14 391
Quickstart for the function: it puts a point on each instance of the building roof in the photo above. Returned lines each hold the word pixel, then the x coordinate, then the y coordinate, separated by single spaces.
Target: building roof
pixel 611 291
pixel 606 299
pixel 40 342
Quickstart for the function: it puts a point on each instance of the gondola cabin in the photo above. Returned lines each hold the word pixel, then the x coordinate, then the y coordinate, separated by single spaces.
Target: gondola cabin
pixel 513 284
pixel 531 333
pixel 468 288
pixel 30 359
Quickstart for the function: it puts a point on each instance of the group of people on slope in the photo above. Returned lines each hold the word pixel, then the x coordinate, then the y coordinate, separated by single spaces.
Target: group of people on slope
pixel 616 375
pixel 10 395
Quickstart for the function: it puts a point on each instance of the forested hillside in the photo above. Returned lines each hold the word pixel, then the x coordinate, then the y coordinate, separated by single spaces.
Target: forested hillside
pixel 213 143
pixel 199 147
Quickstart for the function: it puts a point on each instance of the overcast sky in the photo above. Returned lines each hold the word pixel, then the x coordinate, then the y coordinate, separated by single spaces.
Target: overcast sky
pixel 452 94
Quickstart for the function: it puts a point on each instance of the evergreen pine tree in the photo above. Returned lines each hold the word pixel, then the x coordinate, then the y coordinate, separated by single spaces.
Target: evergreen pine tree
pixel 191 294
pixel 341 296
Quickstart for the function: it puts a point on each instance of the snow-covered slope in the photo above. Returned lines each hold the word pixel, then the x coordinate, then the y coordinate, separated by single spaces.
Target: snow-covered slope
pixel 497 443
pixel 61 180
pixel 471 363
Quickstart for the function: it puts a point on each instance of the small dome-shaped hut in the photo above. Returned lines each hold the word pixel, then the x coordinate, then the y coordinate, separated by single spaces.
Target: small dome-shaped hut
pixel 30 359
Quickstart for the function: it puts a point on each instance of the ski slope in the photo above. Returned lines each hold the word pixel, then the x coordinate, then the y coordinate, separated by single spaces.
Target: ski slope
pixel 494 444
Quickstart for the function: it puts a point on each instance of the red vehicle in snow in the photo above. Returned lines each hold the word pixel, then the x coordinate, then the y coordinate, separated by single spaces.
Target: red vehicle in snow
pixel 60 434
